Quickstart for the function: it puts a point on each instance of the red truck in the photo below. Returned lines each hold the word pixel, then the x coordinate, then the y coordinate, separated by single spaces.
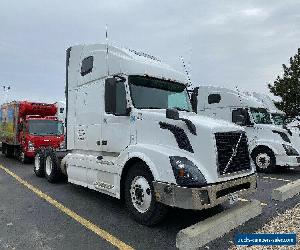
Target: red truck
pixel 27 126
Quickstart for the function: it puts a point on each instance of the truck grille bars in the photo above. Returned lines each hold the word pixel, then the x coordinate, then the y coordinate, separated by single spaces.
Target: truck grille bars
pixel 233 154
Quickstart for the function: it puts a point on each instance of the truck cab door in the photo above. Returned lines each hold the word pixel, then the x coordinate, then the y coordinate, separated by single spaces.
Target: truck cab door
pixel 247 123
pixel 116 119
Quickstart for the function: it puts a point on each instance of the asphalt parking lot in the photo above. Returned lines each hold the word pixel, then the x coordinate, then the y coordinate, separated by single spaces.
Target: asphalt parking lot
pixel 29 222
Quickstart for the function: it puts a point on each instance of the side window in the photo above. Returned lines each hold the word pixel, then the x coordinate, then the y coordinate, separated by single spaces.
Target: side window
pixel 121 103
pixel 235 114
pixel 240 116
pixel 87 65
pixel 214 98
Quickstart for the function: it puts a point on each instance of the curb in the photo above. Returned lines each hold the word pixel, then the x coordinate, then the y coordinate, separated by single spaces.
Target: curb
pixel 286 191
pixel 200 234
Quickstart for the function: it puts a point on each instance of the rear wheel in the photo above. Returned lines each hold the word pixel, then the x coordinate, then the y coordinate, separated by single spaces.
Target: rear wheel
pixel 52 169
pixel 8 151
pixel 139 196
pixel 264 160
pixel 39 163
pixel 3 148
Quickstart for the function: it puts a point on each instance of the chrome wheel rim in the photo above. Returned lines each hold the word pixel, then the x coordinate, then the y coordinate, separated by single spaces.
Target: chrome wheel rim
pixel 37 162
pixel 22 156
pixel 48 165
pixel 141 195
pixel 263 160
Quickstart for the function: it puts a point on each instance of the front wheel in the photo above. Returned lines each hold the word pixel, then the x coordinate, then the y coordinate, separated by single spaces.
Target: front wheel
pixel 264 160
pixel 139 196
pixel 39 163
pixel 22 157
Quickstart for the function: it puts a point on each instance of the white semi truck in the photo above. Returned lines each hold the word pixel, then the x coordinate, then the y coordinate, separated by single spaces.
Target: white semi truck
pixel 131 134
pixel 269 145
pixel 279 119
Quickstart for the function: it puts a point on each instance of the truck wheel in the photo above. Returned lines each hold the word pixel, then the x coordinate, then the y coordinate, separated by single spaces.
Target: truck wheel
pixel 264 160
pixel 3 148
pixel 52 168
pixel 8 151
pixel 39 163
pixel 22 158
pixel 139 196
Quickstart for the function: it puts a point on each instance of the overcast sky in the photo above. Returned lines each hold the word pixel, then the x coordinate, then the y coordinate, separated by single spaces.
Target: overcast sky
pixel 225 43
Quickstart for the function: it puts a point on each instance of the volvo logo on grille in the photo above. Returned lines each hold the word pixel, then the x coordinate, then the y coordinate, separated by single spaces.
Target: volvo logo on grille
pixel 234 152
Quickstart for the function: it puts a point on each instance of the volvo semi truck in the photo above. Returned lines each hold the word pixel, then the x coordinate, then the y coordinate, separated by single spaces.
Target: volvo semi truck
pixel 269 144
pixel 131 134
pixel 26 126
pixel 280 119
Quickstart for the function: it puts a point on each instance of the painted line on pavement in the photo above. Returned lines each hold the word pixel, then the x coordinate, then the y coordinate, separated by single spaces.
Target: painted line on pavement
pixel 84 222
pixel 245 200
pixel 273 178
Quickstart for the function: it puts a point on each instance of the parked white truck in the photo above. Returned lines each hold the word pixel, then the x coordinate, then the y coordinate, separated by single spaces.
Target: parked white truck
pixel 279 119
pixel 269 145
pixel 131 134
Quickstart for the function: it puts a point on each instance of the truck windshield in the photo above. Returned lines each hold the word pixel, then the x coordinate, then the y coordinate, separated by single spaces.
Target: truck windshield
pixel 153 93
pixel 45 127
pixel 278 118
pixel 260 116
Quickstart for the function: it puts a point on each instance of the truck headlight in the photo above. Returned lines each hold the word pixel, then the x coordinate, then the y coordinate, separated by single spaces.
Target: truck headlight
pixel 186 172
pixel 290 151
pixel 30 146
pixel 62 145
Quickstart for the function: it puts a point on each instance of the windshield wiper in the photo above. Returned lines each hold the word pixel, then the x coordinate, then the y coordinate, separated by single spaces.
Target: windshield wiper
pixel 181 109
pixel 151 108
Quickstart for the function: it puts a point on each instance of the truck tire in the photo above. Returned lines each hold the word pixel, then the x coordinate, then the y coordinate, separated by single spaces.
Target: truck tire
pixel 139 196
pixel 22 158
pixel 264 160
pixel 39 163
pixel 52 169
pixel 8 151
pixel 3 148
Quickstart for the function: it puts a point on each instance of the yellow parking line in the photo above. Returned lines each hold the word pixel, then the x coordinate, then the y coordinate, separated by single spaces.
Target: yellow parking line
pixel 84 222
pixel 273 178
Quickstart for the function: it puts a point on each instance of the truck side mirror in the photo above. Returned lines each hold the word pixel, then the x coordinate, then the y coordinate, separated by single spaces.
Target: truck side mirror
pixel 172 114
pixel 194 99
pixel 240 120
pixel 110 95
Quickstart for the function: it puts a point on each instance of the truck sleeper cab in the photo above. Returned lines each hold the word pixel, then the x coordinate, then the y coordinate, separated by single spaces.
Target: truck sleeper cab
pixel 131 134
pixel 269 145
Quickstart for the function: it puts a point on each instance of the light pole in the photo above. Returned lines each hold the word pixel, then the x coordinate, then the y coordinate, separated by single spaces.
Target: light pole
pixel 6 89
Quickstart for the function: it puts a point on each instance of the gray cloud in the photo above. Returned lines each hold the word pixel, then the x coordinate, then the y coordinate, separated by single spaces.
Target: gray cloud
pixel 225 43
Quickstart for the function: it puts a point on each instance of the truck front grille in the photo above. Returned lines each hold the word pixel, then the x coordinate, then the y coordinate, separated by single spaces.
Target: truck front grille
pixel 226 145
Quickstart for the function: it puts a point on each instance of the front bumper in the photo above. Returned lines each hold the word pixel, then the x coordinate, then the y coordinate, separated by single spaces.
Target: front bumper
pixel 30 154
pixel 289 161
pixel 204 197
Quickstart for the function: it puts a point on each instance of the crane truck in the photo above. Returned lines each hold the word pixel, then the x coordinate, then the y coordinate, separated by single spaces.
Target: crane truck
pixel 131 134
